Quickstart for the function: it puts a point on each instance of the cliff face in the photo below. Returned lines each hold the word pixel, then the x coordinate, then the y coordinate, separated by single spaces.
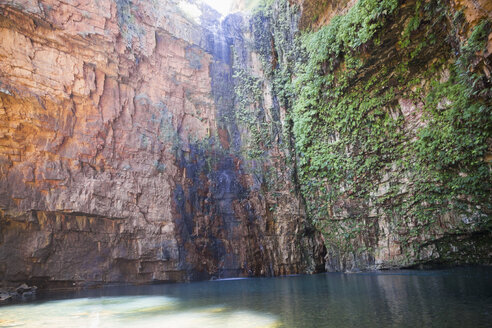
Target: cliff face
pixel 150 141
pixel 391 113
pixel 117 158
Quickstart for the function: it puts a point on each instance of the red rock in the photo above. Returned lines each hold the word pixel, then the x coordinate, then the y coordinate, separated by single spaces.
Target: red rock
pixel 100 125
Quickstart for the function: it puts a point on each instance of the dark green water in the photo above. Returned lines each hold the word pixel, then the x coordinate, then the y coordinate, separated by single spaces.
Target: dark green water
pixel 444 298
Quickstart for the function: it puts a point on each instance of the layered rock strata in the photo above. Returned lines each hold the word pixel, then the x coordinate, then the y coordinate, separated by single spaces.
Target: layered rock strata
pixel 117 160
pixel 150 141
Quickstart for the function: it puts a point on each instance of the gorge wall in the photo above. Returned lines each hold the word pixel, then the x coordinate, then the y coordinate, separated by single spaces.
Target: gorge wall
pixel 391 112
pixel 121 160
pixel 154 141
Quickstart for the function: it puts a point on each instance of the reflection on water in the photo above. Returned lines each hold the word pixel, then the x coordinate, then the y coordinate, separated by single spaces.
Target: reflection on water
pixel 445 298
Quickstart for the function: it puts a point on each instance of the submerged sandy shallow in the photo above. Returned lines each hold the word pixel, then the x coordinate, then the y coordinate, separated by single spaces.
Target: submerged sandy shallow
pixel 133 311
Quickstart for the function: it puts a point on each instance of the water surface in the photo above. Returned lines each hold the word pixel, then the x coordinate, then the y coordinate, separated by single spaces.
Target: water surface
pixel 442 298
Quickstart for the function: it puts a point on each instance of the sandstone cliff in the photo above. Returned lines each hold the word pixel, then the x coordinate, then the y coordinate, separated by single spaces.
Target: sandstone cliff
pixel 154 141
pixel 118 160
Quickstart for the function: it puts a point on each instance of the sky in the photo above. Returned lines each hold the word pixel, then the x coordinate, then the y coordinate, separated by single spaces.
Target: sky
pixel 222 6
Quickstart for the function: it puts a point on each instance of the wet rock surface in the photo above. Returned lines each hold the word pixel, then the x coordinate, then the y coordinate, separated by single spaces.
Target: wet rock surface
pixel 22 292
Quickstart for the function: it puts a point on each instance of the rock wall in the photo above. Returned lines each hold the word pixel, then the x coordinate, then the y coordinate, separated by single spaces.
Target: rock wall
pixel 118 160
pixel 154 141
pixel 391 113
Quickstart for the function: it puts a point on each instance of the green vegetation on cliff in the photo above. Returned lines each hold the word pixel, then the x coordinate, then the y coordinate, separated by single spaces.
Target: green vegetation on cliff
pixel 391 116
